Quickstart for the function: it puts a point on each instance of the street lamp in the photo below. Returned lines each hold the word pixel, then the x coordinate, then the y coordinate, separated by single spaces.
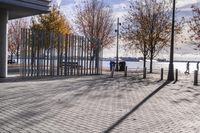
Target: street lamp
pixel 117 50
pixel 171 65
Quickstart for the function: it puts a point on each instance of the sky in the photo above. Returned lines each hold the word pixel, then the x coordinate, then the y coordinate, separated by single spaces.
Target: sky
pixel 118 6
pixel 119 9
pixel 68 6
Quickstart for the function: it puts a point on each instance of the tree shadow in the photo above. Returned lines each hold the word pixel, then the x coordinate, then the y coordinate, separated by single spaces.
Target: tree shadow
pixel 40 101
pixel 40 78
pixel 119 121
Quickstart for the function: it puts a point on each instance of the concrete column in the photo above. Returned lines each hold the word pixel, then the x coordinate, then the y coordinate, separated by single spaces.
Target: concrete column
pixel 3 42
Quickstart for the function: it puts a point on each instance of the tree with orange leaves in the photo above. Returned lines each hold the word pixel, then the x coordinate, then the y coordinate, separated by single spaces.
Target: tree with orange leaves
pixel 53 21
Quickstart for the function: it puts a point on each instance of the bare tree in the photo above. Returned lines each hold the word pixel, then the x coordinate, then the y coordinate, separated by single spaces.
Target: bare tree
pixel 95 21
pixel 14 36
pixel 148 27
pixel 194 25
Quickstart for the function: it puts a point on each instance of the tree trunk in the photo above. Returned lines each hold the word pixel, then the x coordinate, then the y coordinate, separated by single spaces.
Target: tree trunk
pixel 11 57
pixel 151 62
pixel 145 56
pixel 144 67
pixel 144 64
pixel 97 58
pixel 18 54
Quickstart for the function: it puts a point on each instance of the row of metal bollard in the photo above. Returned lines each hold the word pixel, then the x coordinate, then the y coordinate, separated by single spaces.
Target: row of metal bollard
pixel 125 72
pixel 113 70
pixel 161 75
pixel 176 76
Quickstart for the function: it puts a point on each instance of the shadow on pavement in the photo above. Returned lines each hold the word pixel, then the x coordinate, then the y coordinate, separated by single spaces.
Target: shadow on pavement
pixel 40 78
pixel 135 108
pixel 39 102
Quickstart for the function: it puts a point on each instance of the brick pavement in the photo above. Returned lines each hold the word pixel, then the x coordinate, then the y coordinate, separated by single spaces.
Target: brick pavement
pixel 95 104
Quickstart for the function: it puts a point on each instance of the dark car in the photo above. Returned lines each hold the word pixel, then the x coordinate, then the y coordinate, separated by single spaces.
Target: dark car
pixel 11 61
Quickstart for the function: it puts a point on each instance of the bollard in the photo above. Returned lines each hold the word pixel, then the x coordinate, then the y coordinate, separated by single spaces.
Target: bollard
pixel 195 77
pixel 112 72
pixel 176 77
pixel 125 72
pixel 161 75
pixel 78 70
pixel 144 72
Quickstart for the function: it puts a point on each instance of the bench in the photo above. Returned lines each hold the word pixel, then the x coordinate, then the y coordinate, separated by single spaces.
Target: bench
pixel 70 64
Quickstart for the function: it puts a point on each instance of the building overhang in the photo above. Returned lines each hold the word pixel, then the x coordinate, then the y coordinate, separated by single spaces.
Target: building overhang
pixel 24 8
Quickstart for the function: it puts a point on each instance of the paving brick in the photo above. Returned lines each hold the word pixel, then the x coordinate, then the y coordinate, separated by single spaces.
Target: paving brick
pixel 93 104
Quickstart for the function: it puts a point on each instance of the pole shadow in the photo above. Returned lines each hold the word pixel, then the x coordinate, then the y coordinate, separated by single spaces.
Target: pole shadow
pixel 159 80
pixel 119 121
pixel 175 81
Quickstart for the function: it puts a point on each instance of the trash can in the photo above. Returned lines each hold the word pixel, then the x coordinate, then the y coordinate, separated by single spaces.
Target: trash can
pixel 112 64
pixel 122 66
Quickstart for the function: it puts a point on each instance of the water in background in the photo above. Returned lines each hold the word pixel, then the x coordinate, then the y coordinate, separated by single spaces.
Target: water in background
pixel 181 66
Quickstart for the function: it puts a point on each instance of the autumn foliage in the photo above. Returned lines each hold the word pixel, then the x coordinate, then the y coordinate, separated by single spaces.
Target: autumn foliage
pixel 54 21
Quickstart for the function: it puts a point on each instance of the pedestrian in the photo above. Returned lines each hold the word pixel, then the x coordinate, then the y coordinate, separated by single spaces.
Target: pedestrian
pixel 187 68
pixel 198 66
pixel 112 65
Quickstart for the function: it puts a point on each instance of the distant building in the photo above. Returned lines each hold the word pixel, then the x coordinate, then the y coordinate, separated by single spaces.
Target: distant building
pixel 12 9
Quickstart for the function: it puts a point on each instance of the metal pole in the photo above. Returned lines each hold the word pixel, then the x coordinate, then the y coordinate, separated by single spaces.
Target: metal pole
pixel 195 77
pixel 112 72
pixel 125 72
pixel 144 72
pixel 176 75
pixel 117 52
pixel 161 77
pixel 171 65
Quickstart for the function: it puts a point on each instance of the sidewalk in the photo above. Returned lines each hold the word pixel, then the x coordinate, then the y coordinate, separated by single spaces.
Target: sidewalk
pixel 96 104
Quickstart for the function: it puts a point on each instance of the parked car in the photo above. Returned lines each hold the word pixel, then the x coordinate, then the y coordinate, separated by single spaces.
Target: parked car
pixel 11 61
